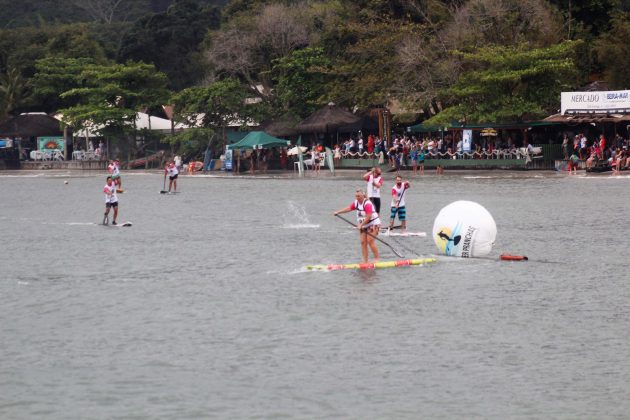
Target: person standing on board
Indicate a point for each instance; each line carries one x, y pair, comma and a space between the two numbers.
114, 170
398, 203
111, 200
374, 182
368, 223
172, 172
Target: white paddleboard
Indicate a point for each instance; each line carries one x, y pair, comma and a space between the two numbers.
126, 224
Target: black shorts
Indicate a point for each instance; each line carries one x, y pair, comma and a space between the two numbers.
173, 178
114, 204
377, 203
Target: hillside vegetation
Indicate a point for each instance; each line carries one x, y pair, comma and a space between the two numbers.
440, 60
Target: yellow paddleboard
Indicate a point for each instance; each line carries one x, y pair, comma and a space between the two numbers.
369, 266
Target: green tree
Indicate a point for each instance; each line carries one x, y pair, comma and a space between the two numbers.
13, 91
216, 105
300, 80
109, 97
613, 51
55, 76
504, 84
172, 41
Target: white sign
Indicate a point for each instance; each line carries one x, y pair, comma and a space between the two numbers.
466, 140
614, 101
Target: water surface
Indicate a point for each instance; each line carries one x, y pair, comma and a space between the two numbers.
203, 309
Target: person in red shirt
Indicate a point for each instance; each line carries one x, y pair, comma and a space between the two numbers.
368, 223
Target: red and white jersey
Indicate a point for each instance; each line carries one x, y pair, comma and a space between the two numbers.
374, 186
110, 193
363, 209
397, 194
171, 170
113, 169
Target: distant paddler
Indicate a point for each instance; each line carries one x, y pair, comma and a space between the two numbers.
172, 172
114, 169
368, 223
111, 200
398, 203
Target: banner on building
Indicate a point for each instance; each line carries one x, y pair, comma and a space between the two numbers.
606, 102
466, 140
50, 143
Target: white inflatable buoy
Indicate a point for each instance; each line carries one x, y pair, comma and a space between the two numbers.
464, 229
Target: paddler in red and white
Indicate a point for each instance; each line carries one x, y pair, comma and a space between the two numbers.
398, 203
111, 200
172, 172
368, 223
114, 169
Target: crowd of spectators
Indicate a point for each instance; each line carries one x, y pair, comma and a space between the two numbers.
409, 150
598, 153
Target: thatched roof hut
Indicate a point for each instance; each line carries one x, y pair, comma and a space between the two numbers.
31, 125
327, 120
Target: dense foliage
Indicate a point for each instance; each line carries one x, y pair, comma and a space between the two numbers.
472, 60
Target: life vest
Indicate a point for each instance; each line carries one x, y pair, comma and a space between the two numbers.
361, 213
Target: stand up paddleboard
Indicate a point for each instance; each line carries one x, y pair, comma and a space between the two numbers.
369, 266
126, 224
403, 234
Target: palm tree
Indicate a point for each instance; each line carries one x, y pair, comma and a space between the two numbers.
13, 91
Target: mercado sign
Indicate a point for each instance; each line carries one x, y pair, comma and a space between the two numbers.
50, 143
607, 102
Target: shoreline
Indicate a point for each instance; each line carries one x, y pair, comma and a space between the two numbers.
287, 174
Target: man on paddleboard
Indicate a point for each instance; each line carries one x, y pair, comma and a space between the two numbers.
368, 223
374, 181
172, 172
111, 200
398, 203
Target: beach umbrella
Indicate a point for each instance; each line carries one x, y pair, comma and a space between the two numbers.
294, 150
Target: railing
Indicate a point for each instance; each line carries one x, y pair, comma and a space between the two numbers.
520, 153
83, 155
46, 155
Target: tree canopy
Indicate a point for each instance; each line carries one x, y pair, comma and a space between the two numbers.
467, 60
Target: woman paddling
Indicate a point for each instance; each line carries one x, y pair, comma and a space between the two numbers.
368, 223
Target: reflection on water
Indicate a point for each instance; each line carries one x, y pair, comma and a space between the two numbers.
204, 309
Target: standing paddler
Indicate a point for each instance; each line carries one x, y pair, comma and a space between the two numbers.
111, 200
368, 223
172, 172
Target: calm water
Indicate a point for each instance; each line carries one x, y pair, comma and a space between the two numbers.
202, 308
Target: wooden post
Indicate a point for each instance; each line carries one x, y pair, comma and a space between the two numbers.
65, 141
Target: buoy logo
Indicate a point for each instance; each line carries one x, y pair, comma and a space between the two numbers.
464, 229
447, 239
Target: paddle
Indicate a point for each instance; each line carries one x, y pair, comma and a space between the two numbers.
164, 187
375, 237
399, 200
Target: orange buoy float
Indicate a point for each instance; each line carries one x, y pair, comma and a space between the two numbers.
506, 257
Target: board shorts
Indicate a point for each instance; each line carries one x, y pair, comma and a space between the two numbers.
173, 178
114, 204
402, 214
115, 177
